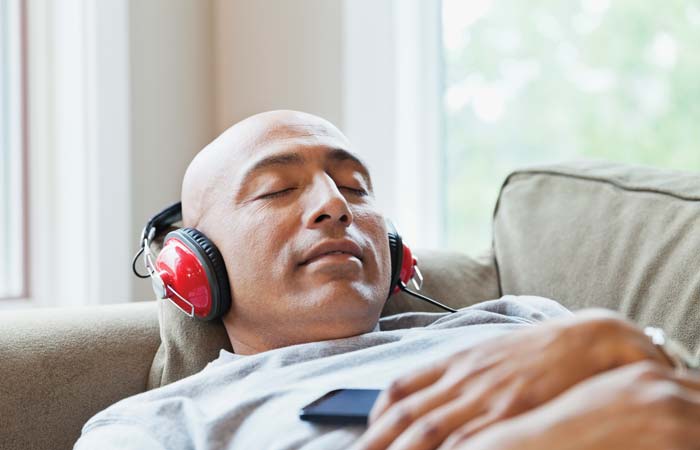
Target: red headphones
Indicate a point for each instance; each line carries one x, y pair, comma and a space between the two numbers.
190, 270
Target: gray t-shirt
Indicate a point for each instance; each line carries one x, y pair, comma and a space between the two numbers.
253, 402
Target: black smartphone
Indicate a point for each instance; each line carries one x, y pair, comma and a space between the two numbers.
341, 407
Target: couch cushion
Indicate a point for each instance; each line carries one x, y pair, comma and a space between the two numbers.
187, 345
602, 234
452, 278
61, 366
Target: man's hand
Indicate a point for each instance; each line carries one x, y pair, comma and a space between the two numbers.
501, 378
642, 406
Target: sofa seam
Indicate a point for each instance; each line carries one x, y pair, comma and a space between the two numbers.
613, 183
599, 180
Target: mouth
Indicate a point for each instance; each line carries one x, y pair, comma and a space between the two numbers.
333, 250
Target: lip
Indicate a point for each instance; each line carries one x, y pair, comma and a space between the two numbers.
344, 246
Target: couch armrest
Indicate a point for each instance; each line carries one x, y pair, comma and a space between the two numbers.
58, 367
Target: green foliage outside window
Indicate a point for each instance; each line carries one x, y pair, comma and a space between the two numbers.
536, 81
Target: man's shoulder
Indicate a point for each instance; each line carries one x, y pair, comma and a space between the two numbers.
507, 309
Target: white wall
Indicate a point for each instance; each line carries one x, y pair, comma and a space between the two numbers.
79, 211
172, 103
277, 54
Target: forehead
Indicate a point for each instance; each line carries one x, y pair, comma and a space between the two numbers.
298, 149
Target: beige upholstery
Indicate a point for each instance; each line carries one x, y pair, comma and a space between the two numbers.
601, 234
58, 367
586, 234
187, 345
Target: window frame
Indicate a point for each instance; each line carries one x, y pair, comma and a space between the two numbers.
23, 146
392, 109
77, 133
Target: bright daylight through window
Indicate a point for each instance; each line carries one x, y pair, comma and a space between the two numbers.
12, 245
529, 82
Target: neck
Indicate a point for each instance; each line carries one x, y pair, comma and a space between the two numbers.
246, 342
241, 348
242, 345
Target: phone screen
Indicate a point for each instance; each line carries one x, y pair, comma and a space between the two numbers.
341, 407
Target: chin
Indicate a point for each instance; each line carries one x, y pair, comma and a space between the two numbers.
349, 307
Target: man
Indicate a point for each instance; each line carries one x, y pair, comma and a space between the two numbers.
292, 212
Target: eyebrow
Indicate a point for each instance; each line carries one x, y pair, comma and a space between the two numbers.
295, 159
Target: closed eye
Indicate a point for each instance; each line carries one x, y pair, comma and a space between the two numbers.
277, 193
355, 191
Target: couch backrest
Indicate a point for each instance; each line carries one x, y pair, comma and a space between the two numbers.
602, 234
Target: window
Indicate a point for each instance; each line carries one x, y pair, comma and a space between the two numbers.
12, 154
530, 82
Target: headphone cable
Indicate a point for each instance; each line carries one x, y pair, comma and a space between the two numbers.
403, 287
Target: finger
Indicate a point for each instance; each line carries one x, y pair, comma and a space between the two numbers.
470, 413
404, 386
402, 414
456, 439
690, 393
510, 404
690, 380
431, 429
680, 421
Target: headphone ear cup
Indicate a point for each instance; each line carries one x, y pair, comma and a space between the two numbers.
396, 252
213, 266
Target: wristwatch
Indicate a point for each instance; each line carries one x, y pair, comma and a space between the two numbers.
675, 352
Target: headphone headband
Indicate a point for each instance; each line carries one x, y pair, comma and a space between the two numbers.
163, 219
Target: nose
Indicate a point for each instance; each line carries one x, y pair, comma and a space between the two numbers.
327, 207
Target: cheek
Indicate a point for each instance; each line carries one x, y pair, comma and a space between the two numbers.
375, 229
253, 254
383, 264
246, 251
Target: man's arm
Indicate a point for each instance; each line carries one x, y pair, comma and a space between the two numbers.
501, 378
643, 406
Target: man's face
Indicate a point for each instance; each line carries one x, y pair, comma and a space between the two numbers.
305, 248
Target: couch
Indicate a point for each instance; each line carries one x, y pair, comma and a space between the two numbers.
589, 234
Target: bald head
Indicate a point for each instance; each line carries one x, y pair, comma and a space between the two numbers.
291, 210
210, 170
